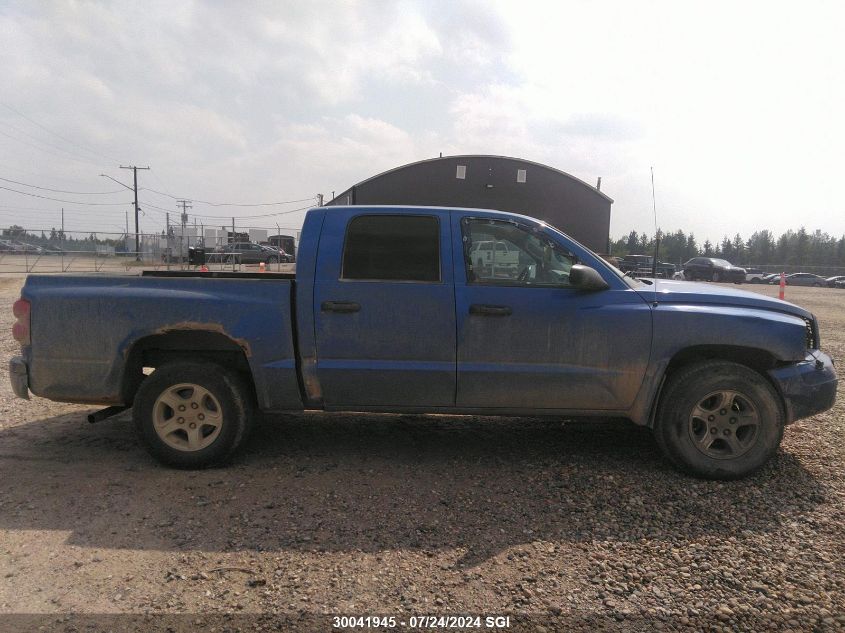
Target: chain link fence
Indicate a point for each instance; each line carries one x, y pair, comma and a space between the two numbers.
233, 248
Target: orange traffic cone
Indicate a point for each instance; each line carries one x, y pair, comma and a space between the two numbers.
782, 285
261, 267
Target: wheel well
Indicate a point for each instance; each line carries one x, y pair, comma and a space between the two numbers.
757, 359
195, 345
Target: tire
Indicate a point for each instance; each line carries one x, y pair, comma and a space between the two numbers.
226, 397
742, 443
755, 280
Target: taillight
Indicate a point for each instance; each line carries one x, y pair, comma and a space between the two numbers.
20, 330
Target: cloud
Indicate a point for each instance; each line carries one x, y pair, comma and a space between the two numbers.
740, 117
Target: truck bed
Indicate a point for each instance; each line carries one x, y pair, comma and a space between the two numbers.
91, 334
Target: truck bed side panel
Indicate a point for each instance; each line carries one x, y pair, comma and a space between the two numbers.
84, 327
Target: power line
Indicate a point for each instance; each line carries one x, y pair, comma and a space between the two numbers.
252, 217
28, 174
69, 157
67, 140
88, 204
81, 193
232, 204
163, 185
151, 206
101, 213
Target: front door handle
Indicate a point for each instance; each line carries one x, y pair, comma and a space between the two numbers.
488, 310
340, 306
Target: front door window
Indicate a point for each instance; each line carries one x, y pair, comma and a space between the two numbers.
503, 253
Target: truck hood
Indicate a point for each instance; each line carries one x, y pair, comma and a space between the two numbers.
698, 293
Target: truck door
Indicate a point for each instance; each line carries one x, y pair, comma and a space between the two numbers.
384, 309
528, 340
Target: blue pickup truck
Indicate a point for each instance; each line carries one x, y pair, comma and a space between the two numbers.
387, 312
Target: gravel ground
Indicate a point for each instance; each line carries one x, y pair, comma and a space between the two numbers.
562, 526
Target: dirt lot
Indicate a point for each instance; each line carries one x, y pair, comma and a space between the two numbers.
561, 526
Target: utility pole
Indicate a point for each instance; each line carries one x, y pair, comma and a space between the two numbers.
137, 209
184, 205
168, 251
62, 239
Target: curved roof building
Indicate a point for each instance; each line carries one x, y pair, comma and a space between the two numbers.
493, 182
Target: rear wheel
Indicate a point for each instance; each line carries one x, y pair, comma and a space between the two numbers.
192, 414
719, 420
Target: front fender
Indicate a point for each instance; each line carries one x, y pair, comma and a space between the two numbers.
678, 328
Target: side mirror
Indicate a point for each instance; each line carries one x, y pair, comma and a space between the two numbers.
586, 278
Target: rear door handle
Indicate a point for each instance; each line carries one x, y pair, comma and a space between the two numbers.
340, 306
488, 310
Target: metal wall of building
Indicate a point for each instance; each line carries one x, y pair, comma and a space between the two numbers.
494, 182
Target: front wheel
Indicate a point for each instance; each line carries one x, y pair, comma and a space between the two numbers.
192, 414
719, 420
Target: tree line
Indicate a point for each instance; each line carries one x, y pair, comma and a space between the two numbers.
793, 248
58, 237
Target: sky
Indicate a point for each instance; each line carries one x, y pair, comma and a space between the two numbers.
739, 107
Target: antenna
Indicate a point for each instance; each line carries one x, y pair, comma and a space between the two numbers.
656, 237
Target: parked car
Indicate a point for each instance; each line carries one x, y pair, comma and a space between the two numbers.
754, 275
839, 284
713, 269
831, 281
13, 246
805, 279
769, 278
24, 247
246, 253
277, 254
388, 313
643, 266
285, 243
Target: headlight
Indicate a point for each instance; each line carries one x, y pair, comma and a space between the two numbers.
812, 330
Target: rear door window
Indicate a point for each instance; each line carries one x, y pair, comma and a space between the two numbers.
392, 248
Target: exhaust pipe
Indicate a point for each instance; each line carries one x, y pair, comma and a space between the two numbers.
102, 414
